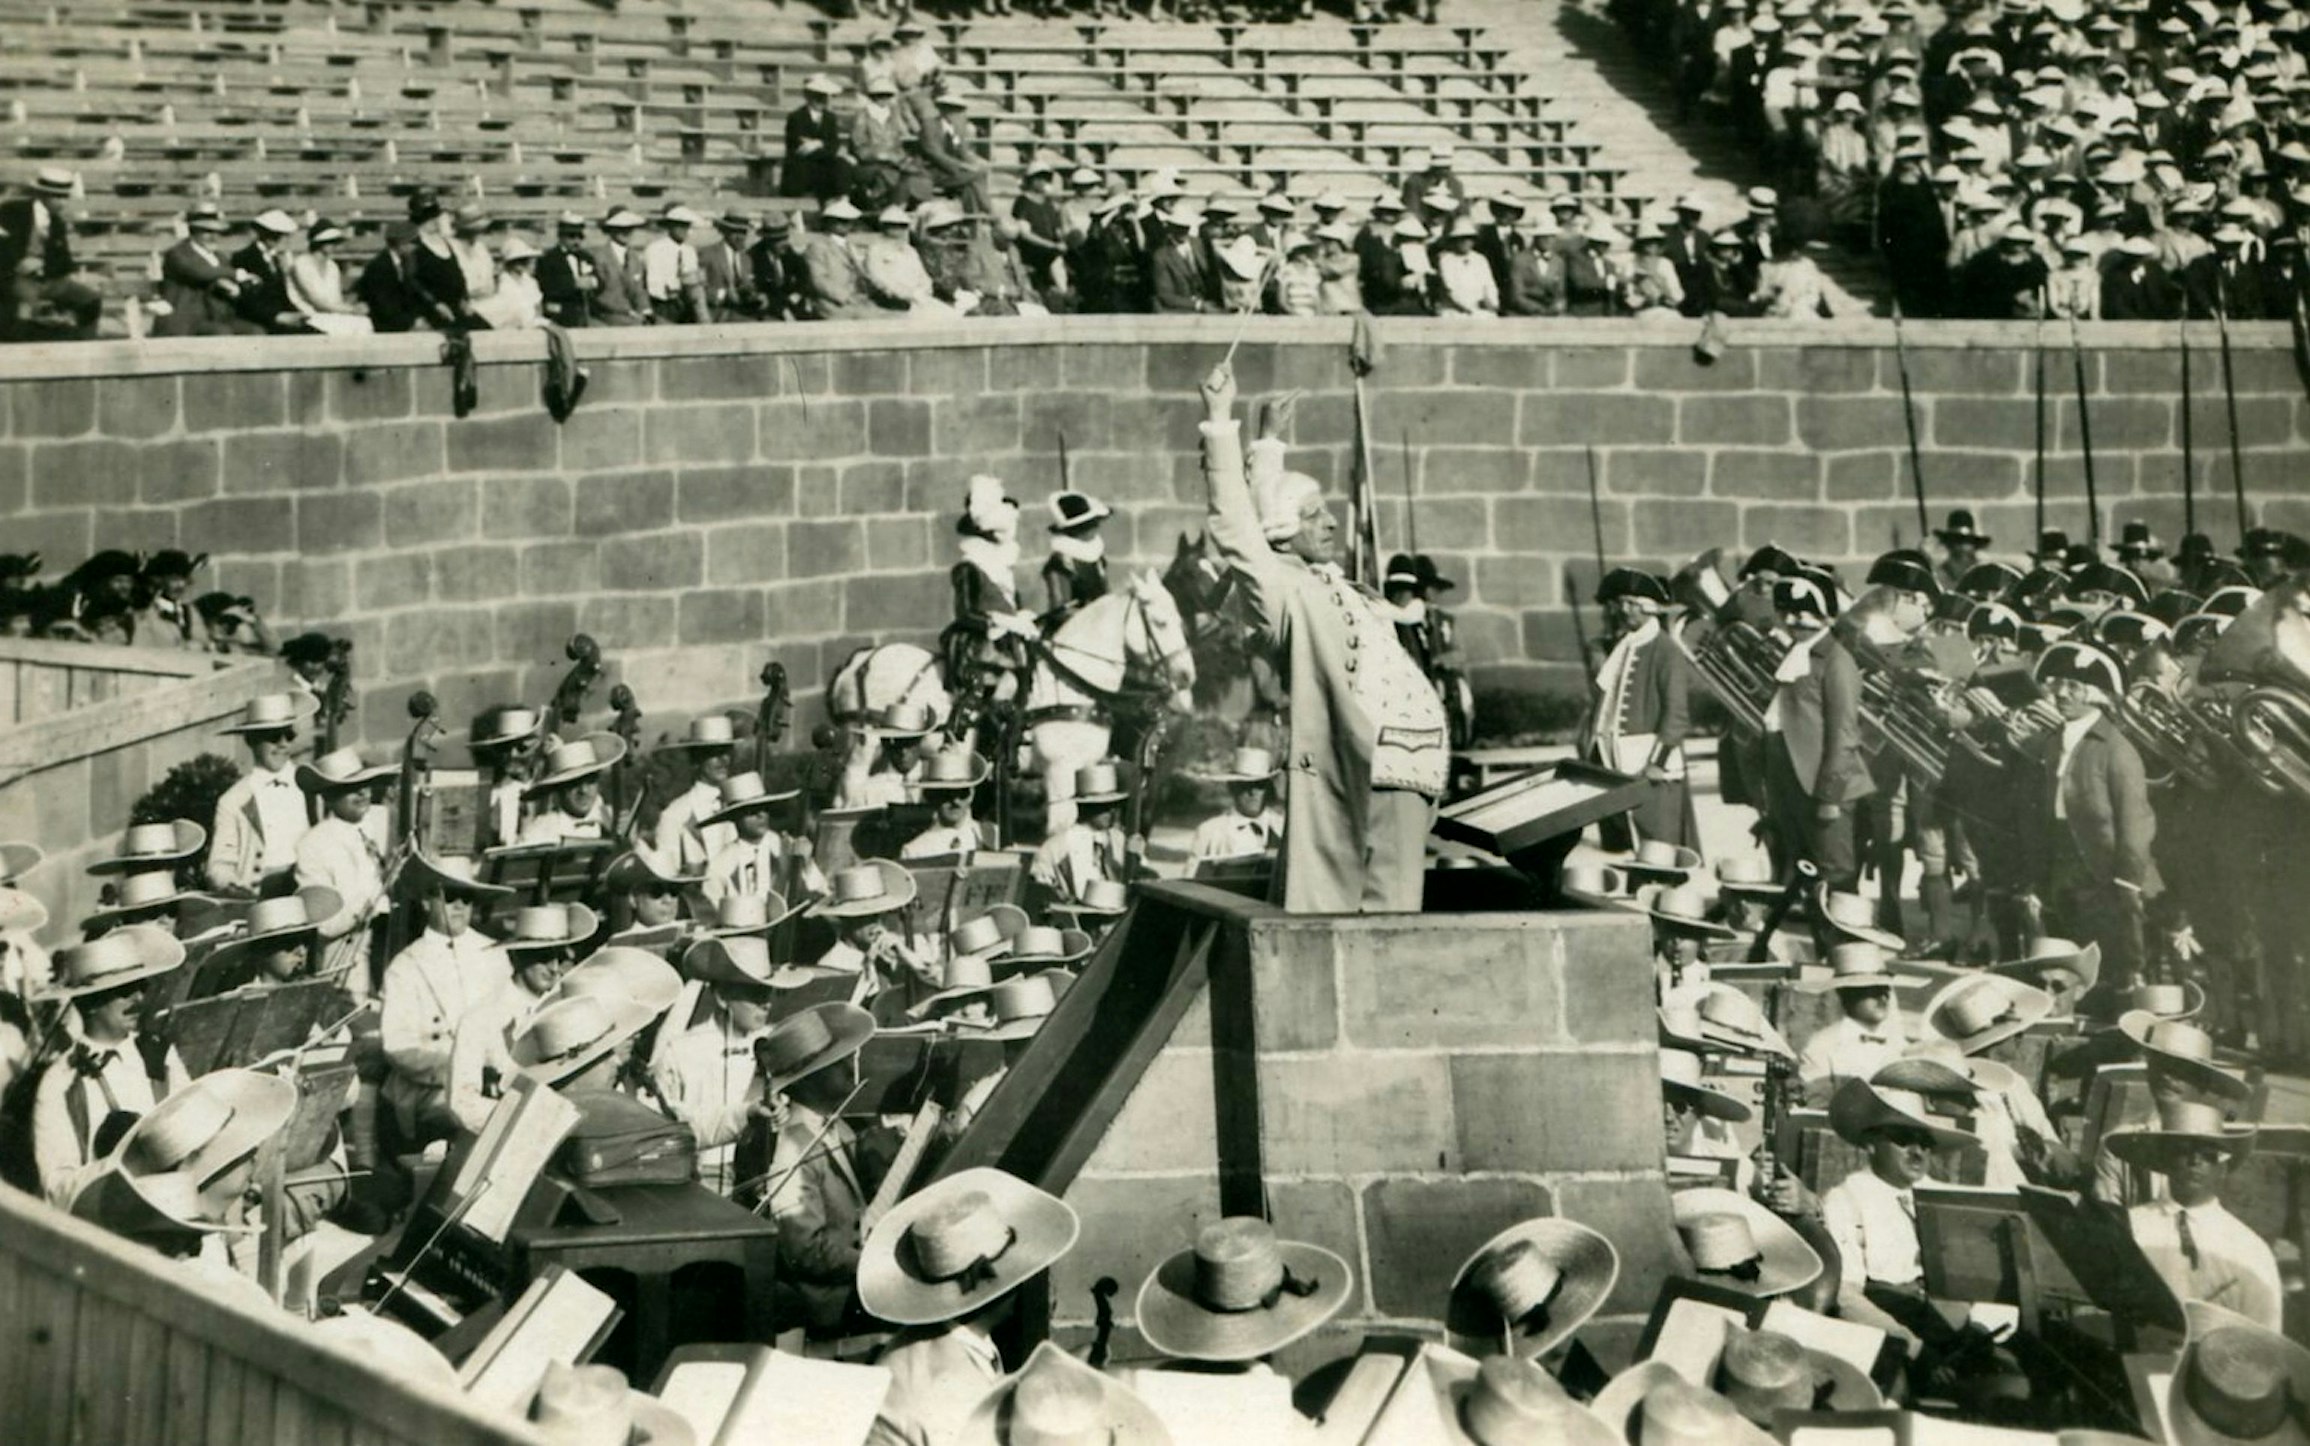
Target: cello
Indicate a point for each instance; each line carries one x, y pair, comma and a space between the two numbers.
629, 784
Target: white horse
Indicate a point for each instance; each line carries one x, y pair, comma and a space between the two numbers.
1079, 671
882, 676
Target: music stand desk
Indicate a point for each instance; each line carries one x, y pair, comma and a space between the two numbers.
661, 1229
1535, 819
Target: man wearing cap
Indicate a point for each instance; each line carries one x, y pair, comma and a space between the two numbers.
199, 285
2094, 820
833, 270
1686, 243
722, 271
2225, 282
1179, 274
1369, 743
261, 818
2134, 287
566, 278
108, 1066
1435, 195
670, 275
814, 164
622, 298
775, 271
947, 154
46, 299
263, 301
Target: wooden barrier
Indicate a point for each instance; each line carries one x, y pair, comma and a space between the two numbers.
103, 1342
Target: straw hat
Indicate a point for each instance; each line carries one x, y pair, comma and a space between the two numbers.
20, 913
1101, 899
1056, 1400
1679, 1016
1937, 1069
801, 1045
513, 723
1042, 944
1856, 964
903, 720
1649, 1404
197, 1134
18, 859
2236, 1382
1529, 1287
1240, 1293
1681, 909
743, 915
644, 867
990, 933
112, 961
1021, 1005
1747, 876
877, 886
2046, 957
146, 846
1979, 1010
593, 1406
967, 976
1854, 916
744, 793
1762, 1372
1600, 885
1099, 783
1859, 1107
1449, 1397
569, 760
744, 959
422, 872
961, 1243
958, 769
1726, 1233
623, 974
343, 769
1680, 1084
715, 730
1660, 860
1730, 1019
136, 893
405, 1355
2180, 1123
2159, 1001
274, 713
1247, 765
537, 927
566, 1035
297, 915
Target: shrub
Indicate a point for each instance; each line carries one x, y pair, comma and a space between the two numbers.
190, 791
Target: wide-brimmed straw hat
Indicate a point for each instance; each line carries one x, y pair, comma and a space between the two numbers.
902, 720
877, 886
290, 916
1979, 1010
2179, 1047
503, 726
643, 867
740, 915
113, 961
1603, 886
1100, 782
136, 893
198, 1133
145, 846
569, 760
1056, 1400
1658, 859
345, 768
714, 730
567, 1035
1736, 1242
1019, 1006
2237, 1382
1042, 944
2045, 957
2181, 1123
1681, 1077
744, 959
621, 972
2106, 1004
965, 978
593, 1406
1854, 916
801, 1045
1858, 1107
1762, 1372
744, 793
1936, 1068
1448, 1398
1240, 1293
960, 1243
274, 712
1100, 899
958, 769
536, 927
1747, 876
1681, 909
989, 933
422, 871
1730, 1020
1245, 765
21, 913
1650, 1404
1529, 1287
1855, 964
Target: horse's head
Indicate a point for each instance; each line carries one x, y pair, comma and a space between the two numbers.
1156, 642
1196, 580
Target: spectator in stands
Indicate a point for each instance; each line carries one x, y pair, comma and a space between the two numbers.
1464, 284
96, 601
1299, 281
2225, 282
1793, 285
198, 286
1042, 228
1535, 279
386, 286
916, 61
833, 281
521, 302
237, 625
946, 153
263, 300
722, 272
2007, 281
164, 618
1591, 286
436, 276
814, 165
882, 134
317, 285
46, 297
775, 271
1425, 194
2074, 288
1650, 287
566, 278
1397, 279
1686, 244
485, 304
892, 271
1177, 272
1340, 289
621, 298
670, 276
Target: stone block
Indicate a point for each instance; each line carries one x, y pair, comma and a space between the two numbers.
717, 494
1589, 368
256, 462
1418, 1233
179, 470
143, 529
1814, 371
745, 552
1346, 1113
617, 504
1600, 419
869, 373
947, 371
718, 378
721, 432
1174, 373
601, 439
1840, 424
116, 780
1083, 418
896, 603
91, 472
1516, 582
532, 632
818, 488
1681, 529
339, 522
1449, 470
560, 569
812, 431
1168, 1124
1806, 531
396, 452
316, 590
1563, 471
134, 407
1954, 372
1633, 1214
2009, 422
1320, 421
898, 544
1461, 418
721, 615
975, 426
370, 395
898, 427
522, 507
1650, 472
1130, 1226
1678, 370
2136, 424
476, 574
224, 402
1113, 370
628, 620
1760, 476
524, 442
435, 642
1403, 366
1557, 524
1494, 986
1981, 476
1759, 420
56, 534
825, 549
395, 580
1295, 987
1860, 477
422, 513
653, 563
866, 487
802, 610
1488, 637
1448, 524
504, 389
1506, 369
1558, 1112
15, 480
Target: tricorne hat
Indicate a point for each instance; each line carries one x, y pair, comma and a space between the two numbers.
123, 957
145, 846
1529, 1287
1239, 1293
1735, 1242
877, 886
275, 713
802, 1044
961, 1243
569, 760
1976, 1011
1056, 1400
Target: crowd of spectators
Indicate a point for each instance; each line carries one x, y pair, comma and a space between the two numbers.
144, 599
2114, 159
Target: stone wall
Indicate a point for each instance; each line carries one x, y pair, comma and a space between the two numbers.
728, 493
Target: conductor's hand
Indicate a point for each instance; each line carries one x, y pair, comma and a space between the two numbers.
1275, 417
1219, 393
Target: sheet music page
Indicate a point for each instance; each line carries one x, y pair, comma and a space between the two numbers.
543, 1120
1692, 1338
1193, 1407
559, 1324
800, 1399
702, 1393
1855, 1344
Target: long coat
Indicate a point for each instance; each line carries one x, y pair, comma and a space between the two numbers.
2107, 799
1821, 725
189, 282
1656, 706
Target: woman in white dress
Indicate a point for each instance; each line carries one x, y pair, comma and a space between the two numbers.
317, 285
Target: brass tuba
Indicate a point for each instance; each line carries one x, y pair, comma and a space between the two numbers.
2272, 728
2168, 736
1737, 661
1901, 711
2258, 677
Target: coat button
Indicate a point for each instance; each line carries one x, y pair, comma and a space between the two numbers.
1351, 664
1355, 640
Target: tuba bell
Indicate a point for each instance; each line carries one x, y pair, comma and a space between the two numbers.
2167, 735
1736, 661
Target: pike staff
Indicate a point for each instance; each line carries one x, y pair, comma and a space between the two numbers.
1909, 418
2230, 399
2039, 476
2189, 447
2085, 437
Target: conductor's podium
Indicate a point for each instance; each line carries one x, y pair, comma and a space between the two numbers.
1398, 1088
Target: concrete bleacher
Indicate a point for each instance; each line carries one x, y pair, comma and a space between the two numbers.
537, 106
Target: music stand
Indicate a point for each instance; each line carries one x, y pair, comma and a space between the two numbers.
2093, 1241
1534, 820
544, 873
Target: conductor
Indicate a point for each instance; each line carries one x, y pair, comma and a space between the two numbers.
1369, 749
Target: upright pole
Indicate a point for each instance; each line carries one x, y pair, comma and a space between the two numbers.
2039, 477
2189, 442
2085, 438
1909, 417
2230, 399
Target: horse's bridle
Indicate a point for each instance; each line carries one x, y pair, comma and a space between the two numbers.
1137, 605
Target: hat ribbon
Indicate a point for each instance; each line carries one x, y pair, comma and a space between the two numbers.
1288, 1284
576, 1049
981, 1272
1748, 1271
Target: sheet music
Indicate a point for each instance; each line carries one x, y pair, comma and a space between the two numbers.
536, 1121
800, 1399
1692, 1337
557, 1319
702, 1393
1855, 1344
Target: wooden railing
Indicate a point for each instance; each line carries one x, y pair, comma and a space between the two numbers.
41, 679
108, 1344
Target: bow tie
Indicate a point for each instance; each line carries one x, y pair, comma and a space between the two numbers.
1875, 1039
91, 1062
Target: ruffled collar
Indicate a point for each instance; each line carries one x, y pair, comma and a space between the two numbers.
997, 560
1079, 549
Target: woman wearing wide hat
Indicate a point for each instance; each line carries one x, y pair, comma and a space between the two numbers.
106, 1070
443, 975
1076, 574
1528, 1288
1640, 710
2198, 1247
570, 775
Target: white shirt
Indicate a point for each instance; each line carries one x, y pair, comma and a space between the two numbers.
2072, 733
60, 1154
937, 1376
483, 1042
1232, 836
429, 989
258, 823
939, 840
2235, 1268
1875, 1228
681, 839
1077, 855
669, 267
555, 825
1845, 1050
348, 858
751, 870
1469, 286
707, 1080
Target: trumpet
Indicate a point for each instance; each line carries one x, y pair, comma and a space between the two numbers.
2167, 735
1737, 662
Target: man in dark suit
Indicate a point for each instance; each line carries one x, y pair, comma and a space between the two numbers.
2225, 283
1688, 253
44, 298
200, 286
1913, 237
775, 270
947, 155
566, 279
263, 301
622, 299
1178, 275
814, 138
2134, 287
384, 285
1496, 239
2096, 821
722, 271
1815, 773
